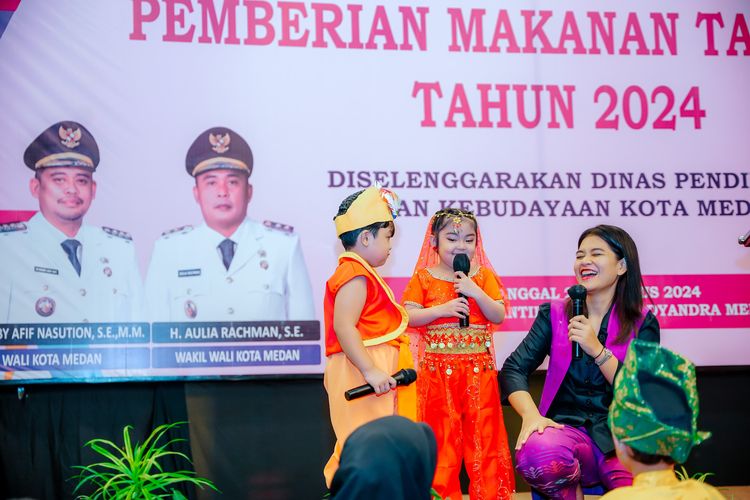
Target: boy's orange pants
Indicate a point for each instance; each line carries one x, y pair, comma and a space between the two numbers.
346, 416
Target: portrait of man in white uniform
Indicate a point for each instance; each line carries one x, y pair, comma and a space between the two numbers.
230, 267
55, 268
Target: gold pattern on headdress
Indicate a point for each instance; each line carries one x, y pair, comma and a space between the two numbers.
633, 420
68, 137
454, 212
456, 216
220, 143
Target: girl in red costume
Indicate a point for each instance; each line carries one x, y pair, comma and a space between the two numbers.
457, 392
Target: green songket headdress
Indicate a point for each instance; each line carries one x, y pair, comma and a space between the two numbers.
655, 405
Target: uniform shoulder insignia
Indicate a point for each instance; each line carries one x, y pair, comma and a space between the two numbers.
116, 232
12, 227
181, 230
278, 226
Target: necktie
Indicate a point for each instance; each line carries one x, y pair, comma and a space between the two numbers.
226, 248
71, 248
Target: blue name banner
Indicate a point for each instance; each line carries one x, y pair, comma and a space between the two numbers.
210, 356
91, 352
238, 331
72, 360
61, 334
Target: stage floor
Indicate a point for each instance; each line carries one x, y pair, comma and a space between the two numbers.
730, 492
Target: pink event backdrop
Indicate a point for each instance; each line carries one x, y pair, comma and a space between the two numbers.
545, 118
679, 301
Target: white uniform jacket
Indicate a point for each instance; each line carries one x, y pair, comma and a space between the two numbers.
40, 285
266, 281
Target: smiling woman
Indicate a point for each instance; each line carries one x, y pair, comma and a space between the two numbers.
565, 442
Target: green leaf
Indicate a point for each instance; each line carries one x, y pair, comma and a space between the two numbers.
134, 472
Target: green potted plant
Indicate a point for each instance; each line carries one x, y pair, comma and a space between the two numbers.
135, 472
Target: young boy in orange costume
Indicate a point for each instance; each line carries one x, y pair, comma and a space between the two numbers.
364, 324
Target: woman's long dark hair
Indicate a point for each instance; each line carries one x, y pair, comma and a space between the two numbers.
629, 288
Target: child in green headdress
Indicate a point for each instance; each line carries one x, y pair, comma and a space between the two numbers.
653, 419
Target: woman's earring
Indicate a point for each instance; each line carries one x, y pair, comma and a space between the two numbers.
623, 265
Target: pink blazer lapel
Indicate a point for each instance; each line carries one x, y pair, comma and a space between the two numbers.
560, 356
561, 349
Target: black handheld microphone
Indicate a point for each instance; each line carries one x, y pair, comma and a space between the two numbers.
461, 264
578, 296
744, 240
403, 377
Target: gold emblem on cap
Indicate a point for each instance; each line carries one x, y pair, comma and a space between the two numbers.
220, 143
68, 137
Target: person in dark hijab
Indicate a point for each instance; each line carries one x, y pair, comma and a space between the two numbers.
389, 458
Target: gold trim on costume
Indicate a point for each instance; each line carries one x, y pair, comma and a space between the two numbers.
448, 362
455, 329
449, 338
389, 293
462, 348
416, 305
433, 273
406, 397
654, 432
